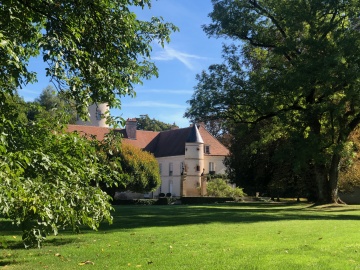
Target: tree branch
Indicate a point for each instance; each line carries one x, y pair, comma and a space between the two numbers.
271, 17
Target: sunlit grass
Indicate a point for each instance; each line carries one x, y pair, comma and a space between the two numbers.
228, 236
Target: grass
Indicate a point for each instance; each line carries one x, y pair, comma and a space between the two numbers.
224, 236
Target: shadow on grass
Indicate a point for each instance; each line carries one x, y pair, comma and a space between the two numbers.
18, 244
6, 263
129, 217
333, 207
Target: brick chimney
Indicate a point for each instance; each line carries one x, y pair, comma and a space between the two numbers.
131, 128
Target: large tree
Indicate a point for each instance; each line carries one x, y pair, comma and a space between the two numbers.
295, 64
53, 105
144, 122
95, 51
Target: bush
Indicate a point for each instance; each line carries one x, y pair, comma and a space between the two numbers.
219, 187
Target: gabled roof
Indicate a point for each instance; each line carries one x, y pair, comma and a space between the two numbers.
216, 147
161, 144
87, 131
143, 138
169, 143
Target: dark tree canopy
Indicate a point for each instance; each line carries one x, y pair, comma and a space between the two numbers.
144, 122
296, 63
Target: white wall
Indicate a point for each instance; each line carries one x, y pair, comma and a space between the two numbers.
218, 162
94, 120
167, 179
175, 179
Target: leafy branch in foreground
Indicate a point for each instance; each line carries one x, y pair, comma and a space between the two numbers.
95, 51
49, 186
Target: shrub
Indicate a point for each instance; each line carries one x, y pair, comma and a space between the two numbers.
219, 187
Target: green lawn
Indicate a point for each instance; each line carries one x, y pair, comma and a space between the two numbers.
224, 236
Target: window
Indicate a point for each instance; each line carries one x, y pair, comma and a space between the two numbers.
170, 169
182, 168
197, 168
160, 168
211, 168
207, 149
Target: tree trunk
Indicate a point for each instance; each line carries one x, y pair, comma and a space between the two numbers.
322, 184
327, 181
334, 178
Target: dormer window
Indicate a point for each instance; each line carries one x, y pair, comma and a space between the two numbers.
207, 149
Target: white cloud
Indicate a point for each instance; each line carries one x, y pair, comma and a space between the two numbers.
28, 95
166, 91
28, 91
168, 54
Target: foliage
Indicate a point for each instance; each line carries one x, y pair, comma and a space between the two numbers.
128, 168
218, 129
141, 168
38, 180
219, 187
95, 50
52, 105
267, 168
296, 64
249, 165
145, 123
349, 176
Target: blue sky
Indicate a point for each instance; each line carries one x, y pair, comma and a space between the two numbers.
189, 52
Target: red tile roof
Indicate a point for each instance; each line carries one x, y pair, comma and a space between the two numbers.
99, 132
143, 138
216, 147
161, 144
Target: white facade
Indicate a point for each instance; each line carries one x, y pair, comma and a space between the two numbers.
96, 116
171, 183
